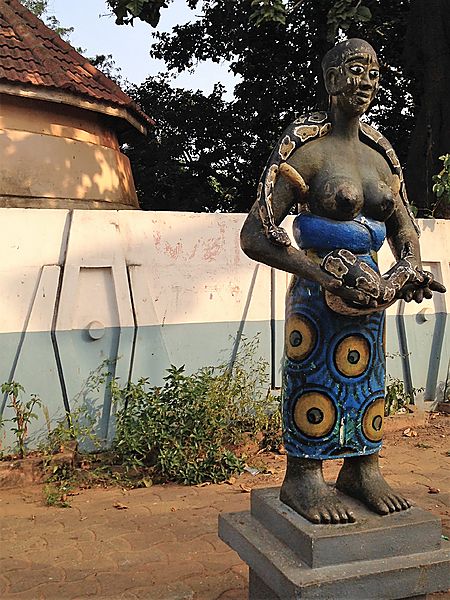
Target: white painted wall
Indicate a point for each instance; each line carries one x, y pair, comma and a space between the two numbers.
155, 288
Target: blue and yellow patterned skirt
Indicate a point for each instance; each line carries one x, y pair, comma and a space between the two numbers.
334, 369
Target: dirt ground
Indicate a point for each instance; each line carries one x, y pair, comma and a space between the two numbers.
161, 543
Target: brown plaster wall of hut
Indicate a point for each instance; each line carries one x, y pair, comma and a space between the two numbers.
53, 155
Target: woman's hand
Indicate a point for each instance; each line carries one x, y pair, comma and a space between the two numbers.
409, 280
422, 287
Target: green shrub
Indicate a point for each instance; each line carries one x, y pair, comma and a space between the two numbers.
187, 430
78, 425
56, 495
23, 413
441, 181
396, 397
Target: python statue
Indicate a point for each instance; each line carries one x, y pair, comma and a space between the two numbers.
348, 184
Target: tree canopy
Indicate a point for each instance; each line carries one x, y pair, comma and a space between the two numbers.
275, 48
40, 9
341, 14
185, 165
280, 76
206, 153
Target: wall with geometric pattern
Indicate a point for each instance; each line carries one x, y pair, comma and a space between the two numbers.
129, 292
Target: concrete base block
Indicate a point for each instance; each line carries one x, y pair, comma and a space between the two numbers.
378, 557
258, 590
372, 536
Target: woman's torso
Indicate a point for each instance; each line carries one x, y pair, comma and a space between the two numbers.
346, 178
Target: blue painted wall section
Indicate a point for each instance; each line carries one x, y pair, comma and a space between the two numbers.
196, 345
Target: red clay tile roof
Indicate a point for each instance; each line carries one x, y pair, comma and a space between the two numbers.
31, 53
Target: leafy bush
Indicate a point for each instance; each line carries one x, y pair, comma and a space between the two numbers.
441, 187
187, 430
23, 413
56, 495
78, 425
397, 398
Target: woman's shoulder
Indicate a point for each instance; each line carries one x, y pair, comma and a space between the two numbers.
303, 129
376, 139
301, 145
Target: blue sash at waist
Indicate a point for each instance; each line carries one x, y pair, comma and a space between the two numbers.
360, 236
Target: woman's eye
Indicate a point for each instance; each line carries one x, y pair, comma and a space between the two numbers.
374, 74
357, 70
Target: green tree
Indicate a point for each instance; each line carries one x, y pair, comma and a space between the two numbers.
427, 57
146, 10
150, 10
41, 10
280, 75
274, 45
182, 165
230, 140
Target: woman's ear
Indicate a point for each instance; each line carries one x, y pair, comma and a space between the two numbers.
333, 81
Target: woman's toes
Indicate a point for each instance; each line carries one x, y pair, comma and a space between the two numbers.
314, 518
396, 502
382, 507
343, 517
389, 504
325, 516
351, 517
404, 503
334, 514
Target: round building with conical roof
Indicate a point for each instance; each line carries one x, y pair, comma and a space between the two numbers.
62, 122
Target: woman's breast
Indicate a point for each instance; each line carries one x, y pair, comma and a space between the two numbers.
378, 200
342, 198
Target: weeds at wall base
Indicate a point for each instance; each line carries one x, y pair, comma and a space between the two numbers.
22, 413
195, 428
56, 495
188, 430
397, 398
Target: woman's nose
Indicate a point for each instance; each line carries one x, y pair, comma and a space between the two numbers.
365, 81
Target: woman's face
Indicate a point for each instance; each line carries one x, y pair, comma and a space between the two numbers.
356, 82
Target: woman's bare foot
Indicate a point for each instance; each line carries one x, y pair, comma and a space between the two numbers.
305, 491
361, 478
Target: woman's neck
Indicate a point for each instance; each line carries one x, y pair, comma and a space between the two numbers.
344, 125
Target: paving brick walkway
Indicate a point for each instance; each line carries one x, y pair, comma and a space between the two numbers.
164, 545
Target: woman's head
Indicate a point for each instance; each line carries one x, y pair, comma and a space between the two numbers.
351, 72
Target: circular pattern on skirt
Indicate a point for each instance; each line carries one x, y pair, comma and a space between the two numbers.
352, 355
300, 337
314, 414
372, 421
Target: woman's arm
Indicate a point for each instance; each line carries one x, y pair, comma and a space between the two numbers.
402, 236
404, 242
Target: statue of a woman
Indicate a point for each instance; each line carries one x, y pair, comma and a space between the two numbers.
348, 183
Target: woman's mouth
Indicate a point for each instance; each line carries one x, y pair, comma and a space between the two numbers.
363, 98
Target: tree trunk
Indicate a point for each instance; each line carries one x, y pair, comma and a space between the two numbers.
427, 55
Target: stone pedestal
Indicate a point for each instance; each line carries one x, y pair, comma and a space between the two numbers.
401, 555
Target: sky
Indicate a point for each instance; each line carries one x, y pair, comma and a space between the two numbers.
96, 32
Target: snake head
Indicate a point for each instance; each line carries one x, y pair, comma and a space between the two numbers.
278, 236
